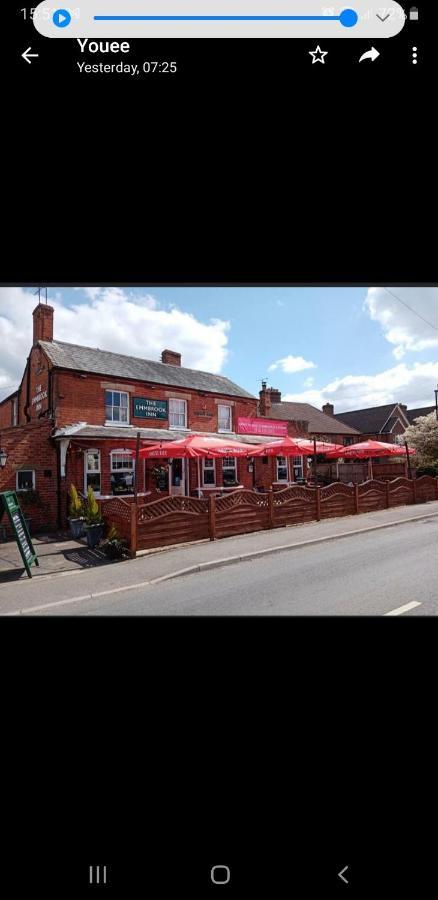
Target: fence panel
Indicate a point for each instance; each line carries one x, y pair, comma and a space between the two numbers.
241, 512
172, 520
372, 496
426, 488
294, 505
401, 492
337, 500
117, 512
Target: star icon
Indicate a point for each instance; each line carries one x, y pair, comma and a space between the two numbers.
318, 55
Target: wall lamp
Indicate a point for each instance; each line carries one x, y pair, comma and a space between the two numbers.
3, 458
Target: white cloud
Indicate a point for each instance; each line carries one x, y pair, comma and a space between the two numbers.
401, 327
290, 364
412, 385
111, 319
309, 382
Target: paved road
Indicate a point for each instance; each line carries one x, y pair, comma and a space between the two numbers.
368, 574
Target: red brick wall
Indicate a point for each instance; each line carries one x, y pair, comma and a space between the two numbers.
31, 447
79, 398
5, 415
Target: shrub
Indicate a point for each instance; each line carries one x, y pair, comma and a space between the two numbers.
76, 505
92, 511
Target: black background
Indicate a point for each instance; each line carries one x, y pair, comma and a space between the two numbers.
211, 740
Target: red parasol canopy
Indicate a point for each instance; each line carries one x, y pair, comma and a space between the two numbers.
196, 446
308, 446
368, 449
285, 446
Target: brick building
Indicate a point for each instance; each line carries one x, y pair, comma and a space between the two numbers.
77, 412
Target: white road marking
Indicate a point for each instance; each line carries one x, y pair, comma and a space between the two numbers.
402, 609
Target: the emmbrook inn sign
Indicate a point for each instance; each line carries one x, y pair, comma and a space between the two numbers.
142, 408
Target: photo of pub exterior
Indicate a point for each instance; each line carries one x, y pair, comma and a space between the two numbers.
75, 417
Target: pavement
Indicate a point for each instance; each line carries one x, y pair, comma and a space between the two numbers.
56, 553
69, 589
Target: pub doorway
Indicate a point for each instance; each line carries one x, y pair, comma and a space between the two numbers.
178, 481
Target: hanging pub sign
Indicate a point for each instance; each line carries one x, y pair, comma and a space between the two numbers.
143, 408
10, 505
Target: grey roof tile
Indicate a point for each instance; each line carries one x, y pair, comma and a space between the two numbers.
319, 422
413, 414
371, 420
117, 365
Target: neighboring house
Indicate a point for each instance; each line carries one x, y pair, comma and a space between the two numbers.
306, 420
382, 423
413, 414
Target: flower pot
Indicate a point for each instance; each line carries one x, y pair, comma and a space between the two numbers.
76, 528
94, 534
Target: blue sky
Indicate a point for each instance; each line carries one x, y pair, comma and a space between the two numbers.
353, 346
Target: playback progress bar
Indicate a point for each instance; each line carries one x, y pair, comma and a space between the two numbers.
348, 18
217, 19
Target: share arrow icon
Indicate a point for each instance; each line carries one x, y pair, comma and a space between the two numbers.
370, 54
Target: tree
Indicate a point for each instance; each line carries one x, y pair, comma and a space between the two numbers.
423, 436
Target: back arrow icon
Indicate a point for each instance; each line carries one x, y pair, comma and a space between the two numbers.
341, 874
370, 54
26, 55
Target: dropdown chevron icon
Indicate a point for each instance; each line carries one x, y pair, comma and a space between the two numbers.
383, 18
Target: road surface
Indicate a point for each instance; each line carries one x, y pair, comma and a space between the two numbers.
394, 571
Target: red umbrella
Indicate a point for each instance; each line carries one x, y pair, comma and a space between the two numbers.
196, 446
285, 446
368, 449
308, 447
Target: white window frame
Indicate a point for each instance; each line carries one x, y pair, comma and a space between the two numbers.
24, 490
113, 421
210, 468
15, 413
172, 413
131, 469
224, 466
230, 409
94, 472
283, 465
298, 465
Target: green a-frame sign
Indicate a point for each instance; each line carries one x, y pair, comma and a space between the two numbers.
10, 505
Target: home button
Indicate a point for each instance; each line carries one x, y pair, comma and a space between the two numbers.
220, 874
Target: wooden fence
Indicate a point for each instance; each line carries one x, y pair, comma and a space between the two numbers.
174, 520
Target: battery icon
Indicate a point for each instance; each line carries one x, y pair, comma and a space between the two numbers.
413, 14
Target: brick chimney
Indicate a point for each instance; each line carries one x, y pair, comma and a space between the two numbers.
328, 409
275, 395
171, 358
268, 396
43, 323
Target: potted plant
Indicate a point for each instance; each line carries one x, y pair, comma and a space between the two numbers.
113, 546
76, 513
94, 523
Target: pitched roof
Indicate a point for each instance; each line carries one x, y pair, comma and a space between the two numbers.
117, 365
319, 423
422, 411
373, 419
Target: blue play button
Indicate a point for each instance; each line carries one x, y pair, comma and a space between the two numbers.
61, 18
